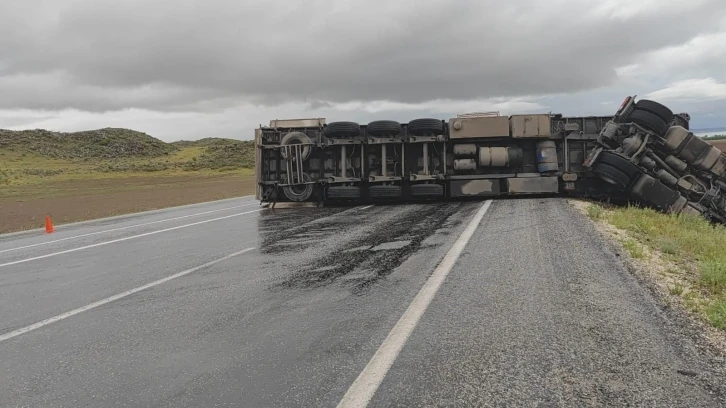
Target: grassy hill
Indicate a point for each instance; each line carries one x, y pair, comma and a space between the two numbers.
106, 143
40, 156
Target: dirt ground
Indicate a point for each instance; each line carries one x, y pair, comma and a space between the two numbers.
89, 199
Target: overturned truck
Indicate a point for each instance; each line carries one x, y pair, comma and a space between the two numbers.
643, 154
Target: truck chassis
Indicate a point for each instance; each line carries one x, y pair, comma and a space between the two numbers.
643, 154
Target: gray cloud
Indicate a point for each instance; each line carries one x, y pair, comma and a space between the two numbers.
189, 69
169, 55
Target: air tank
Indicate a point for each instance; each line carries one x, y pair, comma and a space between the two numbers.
465, 150
464, 164
500, 156
547, 157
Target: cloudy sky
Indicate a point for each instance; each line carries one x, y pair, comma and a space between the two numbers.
183, 69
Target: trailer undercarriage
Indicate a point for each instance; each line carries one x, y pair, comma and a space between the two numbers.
643, 154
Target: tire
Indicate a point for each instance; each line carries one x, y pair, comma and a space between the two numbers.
427, 190
342, 129
384, 128
426, 127
384, 191
300, 192
625, 166
648, 121
343, 192
611, 175
655, 108
296, 138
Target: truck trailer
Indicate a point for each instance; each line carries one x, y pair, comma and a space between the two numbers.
643, 154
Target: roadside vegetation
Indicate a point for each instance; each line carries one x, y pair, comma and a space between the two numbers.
715, 137
690, 251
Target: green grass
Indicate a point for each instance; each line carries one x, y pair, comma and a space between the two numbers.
676, 289
668, 246
689, 241
633, 248
595, 211
713, 275
715, 137
716, 312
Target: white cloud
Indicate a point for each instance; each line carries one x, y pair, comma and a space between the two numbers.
696, 90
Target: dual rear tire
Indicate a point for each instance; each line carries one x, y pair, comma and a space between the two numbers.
629, 178
652, 116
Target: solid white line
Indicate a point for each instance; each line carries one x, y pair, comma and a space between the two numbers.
366, 207
121, 295
362, 390
125, 239
123, 228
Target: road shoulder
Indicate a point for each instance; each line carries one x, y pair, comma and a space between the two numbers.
664, 278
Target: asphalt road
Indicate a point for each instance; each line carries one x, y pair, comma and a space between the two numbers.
228, 304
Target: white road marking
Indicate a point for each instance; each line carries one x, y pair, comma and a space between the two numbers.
127, 227
365, 208
362, 390
121, 295
126, 238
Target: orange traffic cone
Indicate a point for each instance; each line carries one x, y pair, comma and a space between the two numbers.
48, 225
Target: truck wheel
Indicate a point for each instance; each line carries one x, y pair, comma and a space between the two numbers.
296, 138
426, 127
648, 121
384, 128
625, 166
343, 192
611, 175
655, 108
384, 191
427, 190
299, 192
342, 129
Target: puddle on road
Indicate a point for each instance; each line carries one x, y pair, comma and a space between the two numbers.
364, 261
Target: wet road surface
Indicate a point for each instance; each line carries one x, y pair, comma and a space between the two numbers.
257, 307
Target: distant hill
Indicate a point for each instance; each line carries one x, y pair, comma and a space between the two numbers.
220, 153
108, 143
122, 150
207, 141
